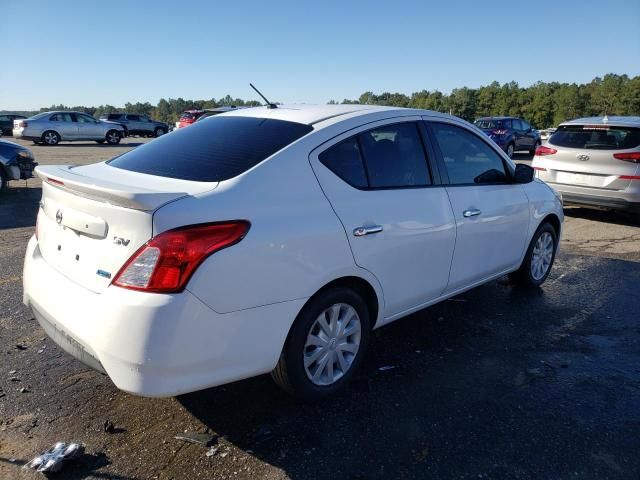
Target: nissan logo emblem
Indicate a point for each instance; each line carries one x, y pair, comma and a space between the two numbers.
582, 157
59, 216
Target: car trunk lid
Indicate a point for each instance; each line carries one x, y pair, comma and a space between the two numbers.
93, 218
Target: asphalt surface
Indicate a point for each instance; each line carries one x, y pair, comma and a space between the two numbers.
496, 383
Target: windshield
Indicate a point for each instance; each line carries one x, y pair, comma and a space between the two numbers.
602, 137
212, 151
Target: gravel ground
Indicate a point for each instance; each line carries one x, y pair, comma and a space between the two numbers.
496, 383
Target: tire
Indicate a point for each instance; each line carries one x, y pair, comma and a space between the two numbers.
113, 137
292, 374
100, 141
158, 132
510, 150
50, 138
3, 180
527, 275
535, 147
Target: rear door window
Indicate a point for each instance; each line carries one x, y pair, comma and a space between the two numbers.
133, 118
468, 159
596, 137
61, 117
212, 151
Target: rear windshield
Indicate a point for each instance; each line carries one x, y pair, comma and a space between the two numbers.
189, 116
602, 137
487, 124
212, 151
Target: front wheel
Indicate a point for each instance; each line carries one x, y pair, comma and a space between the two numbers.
159, 132
325, 346
539, 258
113, 137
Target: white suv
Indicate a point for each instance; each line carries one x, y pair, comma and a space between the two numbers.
275, 240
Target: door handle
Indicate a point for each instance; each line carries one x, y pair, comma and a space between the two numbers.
471, 213
362, 231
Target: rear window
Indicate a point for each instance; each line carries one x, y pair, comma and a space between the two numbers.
113, 116
486, 124
596, 137
212, 151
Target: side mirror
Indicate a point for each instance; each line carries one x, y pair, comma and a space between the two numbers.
523, 174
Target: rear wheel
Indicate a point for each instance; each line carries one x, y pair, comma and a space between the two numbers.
510, 150
158, 132
3, 180
539, 258
113, 137
325, 346
50, 138
535, 147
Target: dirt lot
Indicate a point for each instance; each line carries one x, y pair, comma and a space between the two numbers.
496, 383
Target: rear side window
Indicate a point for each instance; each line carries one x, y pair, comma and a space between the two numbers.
597, 137
114, 116
387, 157
345, 161
133, 118
61, 117
467, 158
212, 151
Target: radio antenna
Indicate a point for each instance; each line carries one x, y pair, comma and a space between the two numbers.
269, 104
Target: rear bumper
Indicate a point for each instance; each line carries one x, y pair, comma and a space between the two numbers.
21, 134
616, 199
150, 344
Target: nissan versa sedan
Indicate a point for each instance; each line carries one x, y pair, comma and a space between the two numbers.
275, 240
594, 161
51, 128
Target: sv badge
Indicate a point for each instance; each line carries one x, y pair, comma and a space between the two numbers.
121, 241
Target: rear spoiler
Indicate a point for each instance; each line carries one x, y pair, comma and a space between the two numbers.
123, 195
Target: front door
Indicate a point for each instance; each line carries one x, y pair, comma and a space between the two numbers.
491, 213
399, 224
88, 127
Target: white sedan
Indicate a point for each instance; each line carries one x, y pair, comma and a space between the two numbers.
274, 240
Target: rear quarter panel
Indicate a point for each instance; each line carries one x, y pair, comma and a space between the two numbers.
295, 245
542, 203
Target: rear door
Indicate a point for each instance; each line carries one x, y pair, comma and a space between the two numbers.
133, 123
491, 213
64, 123
396, 216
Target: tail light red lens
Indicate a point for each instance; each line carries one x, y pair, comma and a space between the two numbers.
628, 157
166, 262
541, 151
540, 169
22, 124
498, 132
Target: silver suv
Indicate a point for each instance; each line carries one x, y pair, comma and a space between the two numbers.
51, 128
136, 124
594, 161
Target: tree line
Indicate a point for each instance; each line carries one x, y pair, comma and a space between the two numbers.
542, 104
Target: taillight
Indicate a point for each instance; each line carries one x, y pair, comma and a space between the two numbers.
541, 151
166, 262
498, 132
22, 124
540, 169
628, 157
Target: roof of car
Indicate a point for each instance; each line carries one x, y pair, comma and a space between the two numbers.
312, 114
612, 120
496, 118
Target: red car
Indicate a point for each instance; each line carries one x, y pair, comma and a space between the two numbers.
188, 117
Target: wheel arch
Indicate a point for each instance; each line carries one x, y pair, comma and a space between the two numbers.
553, 219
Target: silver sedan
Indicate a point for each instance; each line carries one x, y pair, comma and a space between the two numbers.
50, 128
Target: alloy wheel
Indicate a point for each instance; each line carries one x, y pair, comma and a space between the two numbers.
542, 255
332, 344
510, 150
50, 138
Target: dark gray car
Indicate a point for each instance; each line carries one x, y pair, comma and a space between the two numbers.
137, 124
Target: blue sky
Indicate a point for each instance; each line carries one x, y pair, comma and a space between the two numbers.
97, 52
